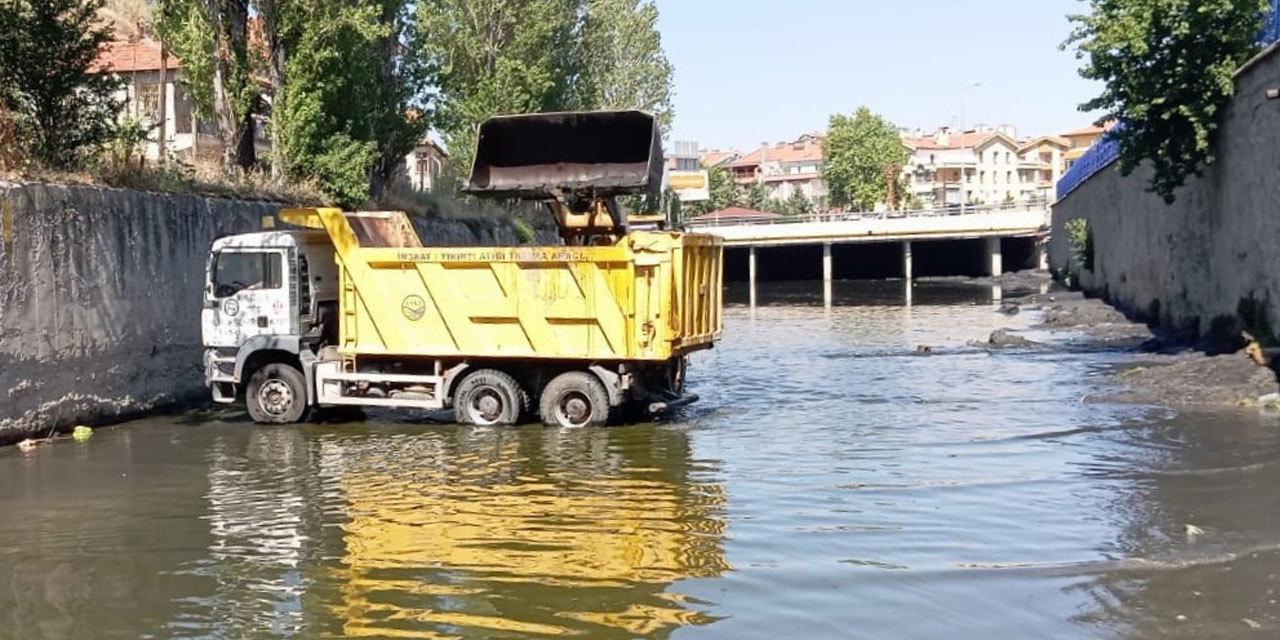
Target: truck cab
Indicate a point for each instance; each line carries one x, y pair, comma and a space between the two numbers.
269, 296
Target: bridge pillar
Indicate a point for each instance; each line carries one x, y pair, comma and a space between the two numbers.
995, 259
1042, 254
908, 267
826, 273
751, 274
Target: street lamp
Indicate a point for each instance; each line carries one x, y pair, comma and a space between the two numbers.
964, 195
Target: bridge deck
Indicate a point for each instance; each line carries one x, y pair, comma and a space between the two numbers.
1005, 223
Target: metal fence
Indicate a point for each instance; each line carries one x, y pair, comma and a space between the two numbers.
1105, 151
847, 216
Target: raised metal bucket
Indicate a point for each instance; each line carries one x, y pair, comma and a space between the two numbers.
597, 153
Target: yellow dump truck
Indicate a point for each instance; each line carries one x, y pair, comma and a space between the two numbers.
353, 309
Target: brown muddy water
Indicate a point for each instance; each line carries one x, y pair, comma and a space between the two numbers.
831, 484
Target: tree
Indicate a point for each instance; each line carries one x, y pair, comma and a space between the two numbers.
212, 39
48, 47
859, 151
340, 85
620, 61
342, 118
757, 197
725, 192
797, 204
1167, 69
488, 57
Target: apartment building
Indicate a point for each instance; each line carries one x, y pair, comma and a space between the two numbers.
985, 165
785, 168
1081, 140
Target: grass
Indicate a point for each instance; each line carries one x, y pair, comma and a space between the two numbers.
204, 180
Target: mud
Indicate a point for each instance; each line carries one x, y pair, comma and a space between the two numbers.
1161, 370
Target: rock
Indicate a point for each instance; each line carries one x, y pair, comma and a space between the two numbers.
924, 349
1010, 309
1004, 338
1269, 403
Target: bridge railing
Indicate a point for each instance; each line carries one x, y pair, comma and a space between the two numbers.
1039, 204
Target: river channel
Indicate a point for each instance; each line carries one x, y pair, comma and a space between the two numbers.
832, 483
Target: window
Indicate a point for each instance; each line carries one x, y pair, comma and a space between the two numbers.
1008, 158
1008, 177
147, 101
234, 272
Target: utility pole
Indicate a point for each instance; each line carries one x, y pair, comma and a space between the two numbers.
964, 195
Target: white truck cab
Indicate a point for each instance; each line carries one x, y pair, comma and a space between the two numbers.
269, 296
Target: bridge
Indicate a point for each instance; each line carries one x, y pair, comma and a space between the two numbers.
987, 225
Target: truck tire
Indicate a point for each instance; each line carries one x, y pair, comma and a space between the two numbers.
277, 394
489, 398
574, 399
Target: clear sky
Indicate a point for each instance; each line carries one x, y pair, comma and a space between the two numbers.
748, 71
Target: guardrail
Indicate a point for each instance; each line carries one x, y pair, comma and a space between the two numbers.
846, 216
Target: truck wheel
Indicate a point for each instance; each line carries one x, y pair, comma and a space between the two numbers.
277, 394
575, 399
489, 398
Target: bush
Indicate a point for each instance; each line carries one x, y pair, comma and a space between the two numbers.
1080, 239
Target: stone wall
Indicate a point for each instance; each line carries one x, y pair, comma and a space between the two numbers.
100, 295
1209, 264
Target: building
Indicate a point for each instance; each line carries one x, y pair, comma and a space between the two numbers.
1050, 153
980, 166
138, 64
785, 169
718, 158
423, 165
1081, 140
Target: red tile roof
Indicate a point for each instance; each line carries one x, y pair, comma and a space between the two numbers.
955, 141
802, 151
1092, 130
716, 158
119, 56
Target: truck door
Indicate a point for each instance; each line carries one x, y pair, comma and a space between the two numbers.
247, 295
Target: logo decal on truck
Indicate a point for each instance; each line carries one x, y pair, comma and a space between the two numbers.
413, 307
231, 306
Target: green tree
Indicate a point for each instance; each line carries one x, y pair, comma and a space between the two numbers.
859, 151
797, 204
620, 61
1167, 70
60, 109
486, 57
725, 192
342, 117
757, 197
211, 37
340, 85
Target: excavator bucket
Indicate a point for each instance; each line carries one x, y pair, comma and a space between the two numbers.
542, 156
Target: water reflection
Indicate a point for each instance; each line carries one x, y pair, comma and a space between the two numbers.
529, 532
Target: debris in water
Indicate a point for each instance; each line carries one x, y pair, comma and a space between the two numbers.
81, 433
1252, 624
1193, 532
1269, 403
924, 349
1180, 618
28, 444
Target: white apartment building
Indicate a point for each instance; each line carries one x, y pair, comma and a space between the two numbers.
981, 166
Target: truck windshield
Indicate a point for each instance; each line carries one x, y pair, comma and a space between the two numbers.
234, 272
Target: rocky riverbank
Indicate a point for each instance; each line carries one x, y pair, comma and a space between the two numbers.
1162, 370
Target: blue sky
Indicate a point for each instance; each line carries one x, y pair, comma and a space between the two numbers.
748, 71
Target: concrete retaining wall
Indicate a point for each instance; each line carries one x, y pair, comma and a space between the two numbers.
100, 298
1209, 264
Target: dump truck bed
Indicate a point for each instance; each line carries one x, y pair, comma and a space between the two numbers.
651, 296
